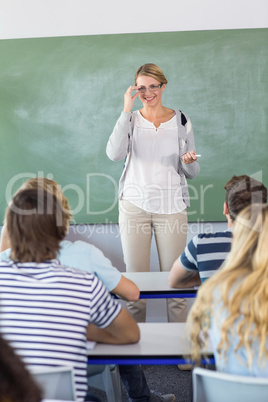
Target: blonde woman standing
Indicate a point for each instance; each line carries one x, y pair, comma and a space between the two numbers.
158, 144
233, 303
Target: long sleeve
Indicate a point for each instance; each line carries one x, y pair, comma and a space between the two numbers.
117, 146
190, 170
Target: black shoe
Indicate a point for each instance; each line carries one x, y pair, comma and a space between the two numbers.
156, 397
91, 398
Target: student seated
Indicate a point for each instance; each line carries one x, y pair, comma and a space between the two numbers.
205, 253
49, 310
87, 257
78, 254
232, 304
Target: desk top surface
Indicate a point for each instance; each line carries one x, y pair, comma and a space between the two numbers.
157, 339
154, 281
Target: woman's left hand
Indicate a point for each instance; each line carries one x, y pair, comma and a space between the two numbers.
189, 157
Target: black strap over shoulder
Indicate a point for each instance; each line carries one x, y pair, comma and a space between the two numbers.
183, 119
183, 123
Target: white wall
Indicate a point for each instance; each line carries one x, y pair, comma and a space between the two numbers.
39, 18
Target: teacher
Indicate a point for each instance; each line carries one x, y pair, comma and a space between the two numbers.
158, 144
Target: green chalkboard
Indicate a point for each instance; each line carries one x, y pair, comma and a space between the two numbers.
60, 98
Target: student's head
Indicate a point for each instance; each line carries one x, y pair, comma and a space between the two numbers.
16, 382
242, 191
151, 70
42, 183
36, 224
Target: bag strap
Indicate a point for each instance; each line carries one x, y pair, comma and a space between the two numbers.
181, 121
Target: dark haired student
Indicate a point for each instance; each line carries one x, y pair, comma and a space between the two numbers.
206, 252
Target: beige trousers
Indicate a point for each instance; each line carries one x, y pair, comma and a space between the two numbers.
170, 231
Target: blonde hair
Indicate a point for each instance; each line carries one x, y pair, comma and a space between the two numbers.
151, 70
243, 285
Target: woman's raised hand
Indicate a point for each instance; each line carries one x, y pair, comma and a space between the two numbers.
129, 99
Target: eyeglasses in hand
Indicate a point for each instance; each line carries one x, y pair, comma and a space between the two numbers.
151, 88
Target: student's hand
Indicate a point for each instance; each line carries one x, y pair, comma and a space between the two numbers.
189, 157
129, 99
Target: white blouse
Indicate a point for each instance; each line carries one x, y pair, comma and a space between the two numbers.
152, 181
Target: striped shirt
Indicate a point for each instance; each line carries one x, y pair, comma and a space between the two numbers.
45, 309
86, 257
206, 252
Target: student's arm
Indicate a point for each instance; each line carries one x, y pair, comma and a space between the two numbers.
182, 278
127, 290
122, 330
4, 241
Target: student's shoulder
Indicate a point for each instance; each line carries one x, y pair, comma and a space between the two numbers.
7, 262
64, 269
77, 246
77, 243
5, 255
225, 233
217, 236
83, 255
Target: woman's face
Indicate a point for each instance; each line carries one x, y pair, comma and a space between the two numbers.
152, 94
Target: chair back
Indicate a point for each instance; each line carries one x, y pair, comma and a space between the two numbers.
211, 386
56, 382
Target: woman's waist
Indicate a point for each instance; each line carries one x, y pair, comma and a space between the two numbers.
155, 200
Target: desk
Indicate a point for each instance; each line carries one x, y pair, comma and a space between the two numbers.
154, 285
160, 343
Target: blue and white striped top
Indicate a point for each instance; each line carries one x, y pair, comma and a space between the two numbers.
45, 309
206, 252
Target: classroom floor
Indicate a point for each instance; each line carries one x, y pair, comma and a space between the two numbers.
163, 379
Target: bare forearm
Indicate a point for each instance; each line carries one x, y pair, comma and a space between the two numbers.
101, 335
192, 280
182, 278
122, 330
127, 290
